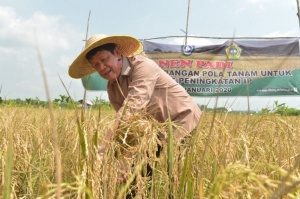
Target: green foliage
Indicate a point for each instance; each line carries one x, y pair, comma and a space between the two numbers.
32, 102
217, 109
283, 109
62, 102
101, 103
67, 102
265, 111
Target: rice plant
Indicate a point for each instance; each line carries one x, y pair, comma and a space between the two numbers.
247, 156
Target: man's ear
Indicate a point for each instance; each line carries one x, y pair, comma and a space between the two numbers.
117, 51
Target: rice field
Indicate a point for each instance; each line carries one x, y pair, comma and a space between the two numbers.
54, 155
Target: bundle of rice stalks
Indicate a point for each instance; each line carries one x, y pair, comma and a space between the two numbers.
135, 147
138, 135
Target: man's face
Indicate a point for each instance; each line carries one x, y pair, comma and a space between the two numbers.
107, 64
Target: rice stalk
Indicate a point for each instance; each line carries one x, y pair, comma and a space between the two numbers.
184, 173
284, 187
190, 180
84, 158
170, 157
136, 143
236, 180
53, 124
137, 170
68, 190
8, 168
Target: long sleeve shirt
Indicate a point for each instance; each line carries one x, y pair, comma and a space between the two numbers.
146, 86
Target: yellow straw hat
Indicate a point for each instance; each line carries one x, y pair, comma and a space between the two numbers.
127, 45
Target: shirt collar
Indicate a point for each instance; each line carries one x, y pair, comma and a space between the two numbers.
126, 67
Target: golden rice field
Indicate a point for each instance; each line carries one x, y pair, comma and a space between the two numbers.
54, 155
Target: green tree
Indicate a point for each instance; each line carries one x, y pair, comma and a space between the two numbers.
283, 109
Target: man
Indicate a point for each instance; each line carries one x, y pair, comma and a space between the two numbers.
139, 80
136, 82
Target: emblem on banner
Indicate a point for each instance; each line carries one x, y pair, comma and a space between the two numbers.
187, 50
233, 51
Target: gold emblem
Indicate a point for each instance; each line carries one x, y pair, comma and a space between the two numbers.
233, 51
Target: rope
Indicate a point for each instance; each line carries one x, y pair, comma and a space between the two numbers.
203, 37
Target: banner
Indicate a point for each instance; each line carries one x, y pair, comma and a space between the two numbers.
269, 67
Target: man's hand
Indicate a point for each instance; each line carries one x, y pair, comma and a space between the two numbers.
108, 137
101, 152
124, 171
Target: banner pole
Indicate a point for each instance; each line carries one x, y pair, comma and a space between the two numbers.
298, 13
87, 28
187, 23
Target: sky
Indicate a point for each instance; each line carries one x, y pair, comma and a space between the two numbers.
55, 32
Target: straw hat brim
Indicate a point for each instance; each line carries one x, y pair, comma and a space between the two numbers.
127, 46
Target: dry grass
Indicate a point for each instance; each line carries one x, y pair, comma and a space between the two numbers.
247, 157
